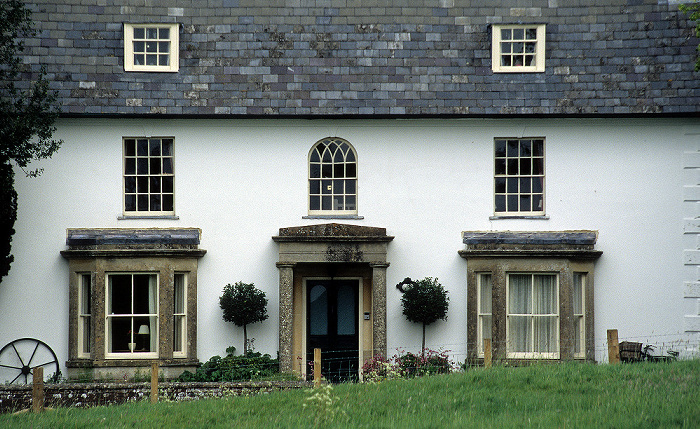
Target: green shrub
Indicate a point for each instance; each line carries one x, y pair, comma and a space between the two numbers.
234, 368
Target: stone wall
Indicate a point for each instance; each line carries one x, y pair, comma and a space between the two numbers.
19, 397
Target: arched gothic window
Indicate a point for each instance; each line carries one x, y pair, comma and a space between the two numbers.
332, 177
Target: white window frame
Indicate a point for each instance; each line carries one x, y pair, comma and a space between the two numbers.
153, 325
327, 185
579, 280
173, 51
496, 48
131, 171
180, 315
482, 315
84, 315
532, 316
531, 176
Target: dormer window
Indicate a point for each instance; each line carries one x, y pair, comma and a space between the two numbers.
518, 48
151, 47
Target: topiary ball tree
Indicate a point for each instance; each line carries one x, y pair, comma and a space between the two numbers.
243, 304
424, 301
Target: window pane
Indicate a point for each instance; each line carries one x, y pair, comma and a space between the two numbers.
500, 203
519, 334
314, 203
327, 170
544, 294
518, 33
485, 293
525, 184
544, 333
318, 311
500, 148
513, 166
351, 170
326, 203
164, 33
339, 170
130, 147
346, 321
155, 184
168, 202
151, 60
326, 187
152, 33
500, 185
500, 165
139, 60
315, 170
130, 166
142, 203
520, 294
168, 184
338, 186
506, 34
119, 294
350, 186
142, 147
537, 166
531, 34
512, 185
350, 202
155, 203
142, 166
315, 187
163, 60
525, 203
155, 166
167, 166
143, 284
139, 33
130, 185
142, 185
130, 203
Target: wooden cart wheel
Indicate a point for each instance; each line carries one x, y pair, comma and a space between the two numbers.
19, 358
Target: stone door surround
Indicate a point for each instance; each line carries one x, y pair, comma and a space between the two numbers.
330, 244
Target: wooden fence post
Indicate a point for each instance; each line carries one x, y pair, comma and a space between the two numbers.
487, 352
317, 367
154, 382
38, 389
613, 347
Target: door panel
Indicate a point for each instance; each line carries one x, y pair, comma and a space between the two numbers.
332, 326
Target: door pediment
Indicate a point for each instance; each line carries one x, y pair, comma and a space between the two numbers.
332, 242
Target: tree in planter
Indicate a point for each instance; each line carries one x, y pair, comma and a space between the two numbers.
424, 301
243, 304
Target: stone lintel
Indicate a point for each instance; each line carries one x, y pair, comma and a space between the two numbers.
132, 253
332, 232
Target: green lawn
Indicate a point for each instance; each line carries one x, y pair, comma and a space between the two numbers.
571, 395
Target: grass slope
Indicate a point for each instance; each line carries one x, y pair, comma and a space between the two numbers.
568, 395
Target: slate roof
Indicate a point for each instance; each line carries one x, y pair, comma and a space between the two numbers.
370, 57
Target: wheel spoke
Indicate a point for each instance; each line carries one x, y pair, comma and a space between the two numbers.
44, 364
33, 353
11, 367
17, 353
18, 375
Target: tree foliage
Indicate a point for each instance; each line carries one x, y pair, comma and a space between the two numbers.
243, 304
28, 110
693, 10
425, 301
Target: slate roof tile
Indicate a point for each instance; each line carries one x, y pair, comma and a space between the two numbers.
370, 57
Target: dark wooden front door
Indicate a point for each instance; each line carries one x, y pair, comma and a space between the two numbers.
332, 326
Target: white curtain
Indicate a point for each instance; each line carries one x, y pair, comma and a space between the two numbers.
532, 313
153, 310
485, 314
520, 309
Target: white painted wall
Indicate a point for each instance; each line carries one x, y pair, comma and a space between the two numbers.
424, 180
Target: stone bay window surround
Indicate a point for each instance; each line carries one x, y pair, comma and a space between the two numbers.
531, 294
132, 300
332, 294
